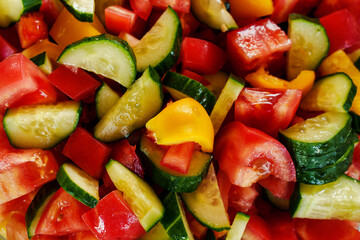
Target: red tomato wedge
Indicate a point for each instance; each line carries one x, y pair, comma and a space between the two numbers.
248, 155
242, 198
282, 9
177, 5
256, 229
6, 49
142, 8
32, 28
118, 19
16, 228
281, 225
112, 218
268, 110
178, 157
62, 215
278, 187
88, 235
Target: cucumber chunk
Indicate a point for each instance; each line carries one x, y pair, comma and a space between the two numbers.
43, 61
105, 55
142, 101
37, 206
170, 179
157, 232
160, 47
105, 99
334, 93
180, 86
339, 199
82, 10
310, 44
206, 204
174, 220
138, 194
11, 10
41, 126
78, 184
317, 136
238, 226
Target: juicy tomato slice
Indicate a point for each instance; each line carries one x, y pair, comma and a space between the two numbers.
253, 45
268, 110
88, 235
189, 23
6, 49
178, 157
142, 8
32, 28
256, 229
16, 228
177, 5
112, 218
62, 215
248, 155
242, 198
282, 9
278, 187
118, 19
316, 229
281, 225
18, 205
51, 10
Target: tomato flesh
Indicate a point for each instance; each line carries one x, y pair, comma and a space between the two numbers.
142, 8
32, 28
178, 157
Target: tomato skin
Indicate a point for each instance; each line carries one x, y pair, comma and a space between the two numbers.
253, 45
142, 8
201, 56
62, 215
88, 153
242, 198
316, 229
247, 155
178, 157
112, 218
32, 28
119, 19
268, 110
256, 229
177, 5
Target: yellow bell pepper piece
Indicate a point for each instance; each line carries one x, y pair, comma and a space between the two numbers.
185, 120
251, 8
355, 55
339, 61
262, 79
67, 29
52, 49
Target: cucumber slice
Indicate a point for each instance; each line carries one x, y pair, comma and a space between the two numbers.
174, 220
82, 10
355, 122
310, 44
105, 55
317, 136
105, 99
357, 63
79, 184
238, 226
280, 203
217, 82
334, 93
326, 174
11, 10
37, 206
142, 101
339, 199
138, 194
157, 232
227, 97
170, 179
41, 126
206, 204
180, 86
160, 47
43, 62
214, 14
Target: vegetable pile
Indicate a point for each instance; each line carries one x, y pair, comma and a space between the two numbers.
187, 119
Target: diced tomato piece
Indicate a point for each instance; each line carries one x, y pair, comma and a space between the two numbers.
202, 56
32, 28
278, 187
195, 76
51, 10
18, 205
248, 155
131, 40
281, 225
142, 8
198, 230
177, 5
75, 82
87, 152
6, 49
316, 229
119, 19
224, 187
268, 110
282, 9
354, 169
189, 23
257, 229
253, 45
342, 30
88, 235
306, 6
178, 157
16, 228
10, 34
124, 153
329, 6
295, 120
49, 237
112, 218
242, 198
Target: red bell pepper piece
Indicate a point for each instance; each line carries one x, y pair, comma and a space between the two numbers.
342, 30
76, 84
6, 49
112, 218
142, 8
178, 157
32, 28
177, 5
87, 152
202, 56
119, 19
